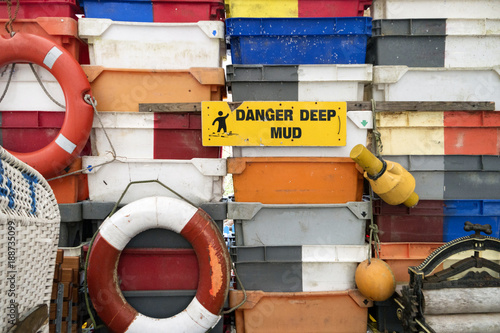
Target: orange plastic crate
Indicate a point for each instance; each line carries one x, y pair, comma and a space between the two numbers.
400, 256
62, 31
72, 188
124, 89
334, 311
295, 180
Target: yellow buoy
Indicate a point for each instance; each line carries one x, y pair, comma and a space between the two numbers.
375, 280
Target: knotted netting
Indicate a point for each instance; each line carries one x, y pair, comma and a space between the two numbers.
29, 234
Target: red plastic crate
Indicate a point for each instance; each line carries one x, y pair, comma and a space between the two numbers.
332, 8
472, 133
27, 131
423, 223
62, 31
158, 269
178, 136
187, 10
31, 9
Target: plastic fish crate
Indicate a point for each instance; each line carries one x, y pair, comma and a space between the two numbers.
32, 9
403, 9
259, 224
295, 180
401, 255
454, 43
124, 89
345, 311
71, 188
358, 124
62, 31
198, 180
188, 10
439, 133
434, 220
151, 135
158, 269
142, 45
298, 82
296, 8
294, 41
298, 268
453, 177
119, 10
402, 83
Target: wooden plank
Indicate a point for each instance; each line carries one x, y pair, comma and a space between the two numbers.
351, 106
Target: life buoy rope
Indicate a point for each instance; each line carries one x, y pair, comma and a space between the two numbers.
195, 226
75, 131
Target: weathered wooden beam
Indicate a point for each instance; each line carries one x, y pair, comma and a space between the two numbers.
351, 106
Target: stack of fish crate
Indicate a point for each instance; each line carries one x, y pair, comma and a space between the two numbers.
154, 52
443, 51
298, 211
30, 117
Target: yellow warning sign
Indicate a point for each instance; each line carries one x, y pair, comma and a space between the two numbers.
274, 124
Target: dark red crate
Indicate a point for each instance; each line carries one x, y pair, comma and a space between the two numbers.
158, 269
188, 10
423, 223
27, 131
332, 8
178, 136
31, 9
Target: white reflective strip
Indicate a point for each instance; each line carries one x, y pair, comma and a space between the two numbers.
141, 215
180, 323
51, 57
65, 144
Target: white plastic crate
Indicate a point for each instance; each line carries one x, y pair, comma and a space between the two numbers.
144, 45
131, 133
198, 180
396, 9
333, 82
331, 267
358, 124
402, 83
25, 93
472, 43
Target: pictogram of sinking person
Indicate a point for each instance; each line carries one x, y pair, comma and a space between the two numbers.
222, 122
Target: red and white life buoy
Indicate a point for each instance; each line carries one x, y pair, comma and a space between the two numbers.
75, 131
159, 212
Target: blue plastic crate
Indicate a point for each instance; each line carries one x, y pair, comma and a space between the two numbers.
116, 10
457, 212
292, 41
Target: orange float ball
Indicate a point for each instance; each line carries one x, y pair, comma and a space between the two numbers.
375, 280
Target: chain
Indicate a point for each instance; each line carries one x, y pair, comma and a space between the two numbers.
377, 137
377, 147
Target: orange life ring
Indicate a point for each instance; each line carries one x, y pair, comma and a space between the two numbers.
75, 131
159, 212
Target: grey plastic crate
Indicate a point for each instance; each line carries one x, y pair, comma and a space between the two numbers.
258, 224
453, 176
263, 82
409, 42
71, 227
